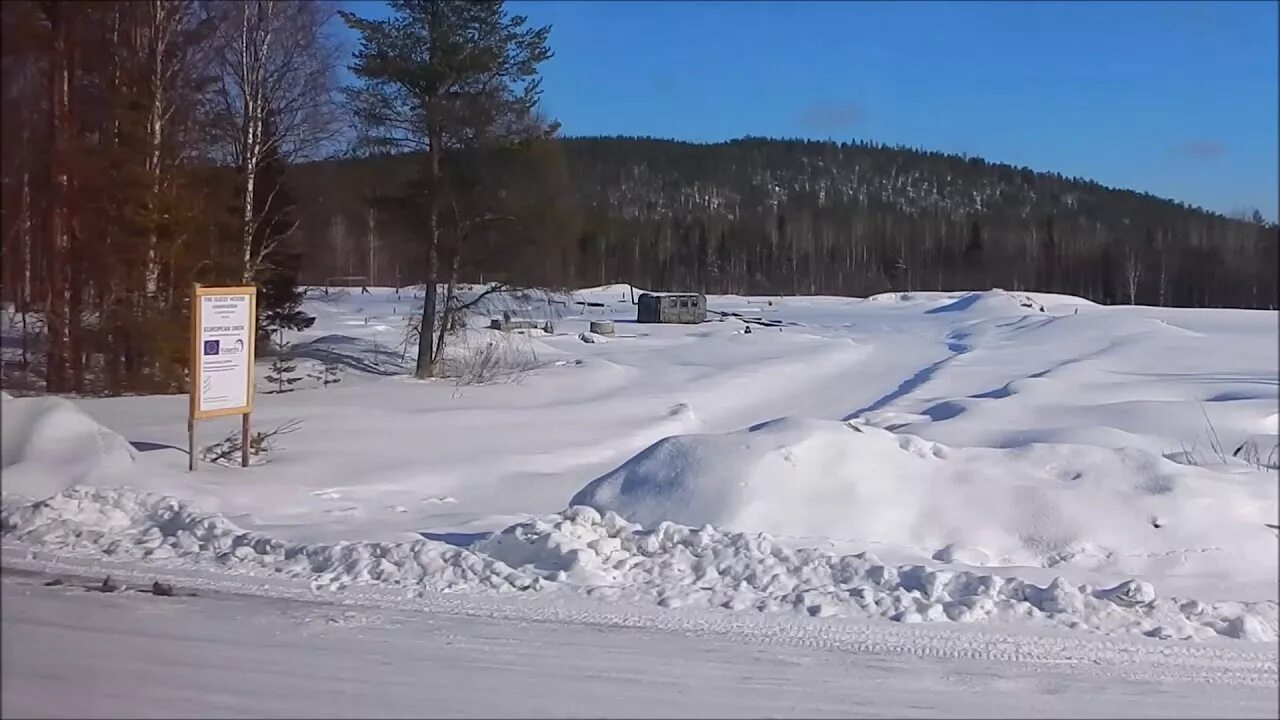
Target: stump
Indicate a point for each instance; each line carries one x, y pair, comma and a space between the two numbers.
602, 327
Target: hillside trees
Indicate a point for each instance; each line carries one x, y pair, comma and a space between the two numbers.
858, 218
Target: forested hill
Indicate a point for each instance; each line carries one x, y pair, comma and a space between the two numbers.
802, 217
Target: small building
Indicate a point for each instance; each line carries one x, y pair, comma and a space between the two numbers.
688, 308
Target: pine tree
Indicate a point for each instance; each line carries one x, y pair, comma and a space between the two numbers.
281, 372
438, 77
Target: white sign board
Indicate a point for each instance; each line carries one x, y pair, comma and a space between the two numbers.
222, 381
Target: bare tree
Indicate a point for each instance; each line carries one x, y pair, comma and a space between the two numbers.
1132, 272
162, 56
276, 65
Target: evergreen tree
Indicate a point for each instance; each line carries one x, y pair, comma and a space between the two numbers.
442, 76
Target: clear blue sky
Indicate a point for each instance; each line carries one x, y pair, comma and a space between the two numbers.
1174, 98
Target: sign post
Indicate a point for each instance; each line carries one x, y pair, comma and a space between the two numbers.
223, 329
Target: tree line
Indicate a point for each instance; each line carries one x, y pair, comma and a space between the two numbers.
146, 145
762, 216
154, 143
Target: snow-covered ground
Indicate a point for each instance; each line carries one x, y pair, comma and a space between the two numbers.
69, 652
991, 463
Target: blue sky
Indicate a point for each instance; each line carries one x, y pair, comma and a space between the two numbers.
1174, 98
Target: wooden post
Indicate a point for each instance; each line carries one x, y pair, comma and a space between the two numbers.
244, 440
193, 382
191, 444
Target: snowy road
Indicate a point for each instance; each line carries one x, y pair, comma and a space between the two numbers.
71, 652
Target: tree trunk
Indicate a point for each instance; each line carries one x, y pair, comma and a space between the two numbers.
24, 250
255, 36
24, 242
428, 355
155, 126
371, 271
446, 316
108, 293
58, 300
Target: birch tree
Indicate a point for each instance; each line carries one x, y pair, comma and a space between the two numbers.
159, 34
276, 66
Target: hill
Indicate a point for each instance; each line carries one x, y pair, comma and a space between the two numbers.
804, 217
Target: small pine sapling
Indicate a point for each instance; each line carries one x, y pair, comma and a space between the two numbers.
330, 373
281, 372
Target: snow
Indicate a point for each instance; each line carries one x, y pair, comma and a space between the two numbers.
72, 653
1041, 505
47, 445
604, 556
977, 463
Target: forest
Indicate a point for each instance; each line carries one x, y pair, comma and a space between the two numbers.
153, 144
762, 216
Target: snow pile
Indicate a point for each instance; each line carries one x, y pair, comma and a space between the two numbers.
47, 444
1040, 505
605, 556
990, 302
678, 566
124, 524
995, 302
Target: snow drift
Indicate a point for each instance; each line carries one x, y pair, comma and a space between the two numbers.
1040, 505
125, 524
47, 444
607, 557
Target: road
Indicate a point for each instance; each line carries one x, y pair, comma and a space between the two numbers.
69, 651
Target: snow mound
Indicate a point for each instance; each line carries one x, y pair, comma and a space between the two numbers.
994, 302
989, 302
607, 557
1038, 505
47, 445
125, 524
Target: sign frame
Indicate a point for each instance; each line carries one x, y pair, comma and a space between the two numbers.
194, 412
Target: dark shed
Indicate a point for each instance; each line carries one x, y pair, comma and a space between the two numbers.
688, 308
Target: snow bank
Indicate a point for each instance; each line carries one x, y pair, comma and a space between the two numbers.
1039, 505
607, 557
124, 524
678, 566
984, 302
989, 302
47, 445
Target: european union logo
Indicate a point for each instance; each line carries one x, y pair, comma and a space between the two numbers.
210, 347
